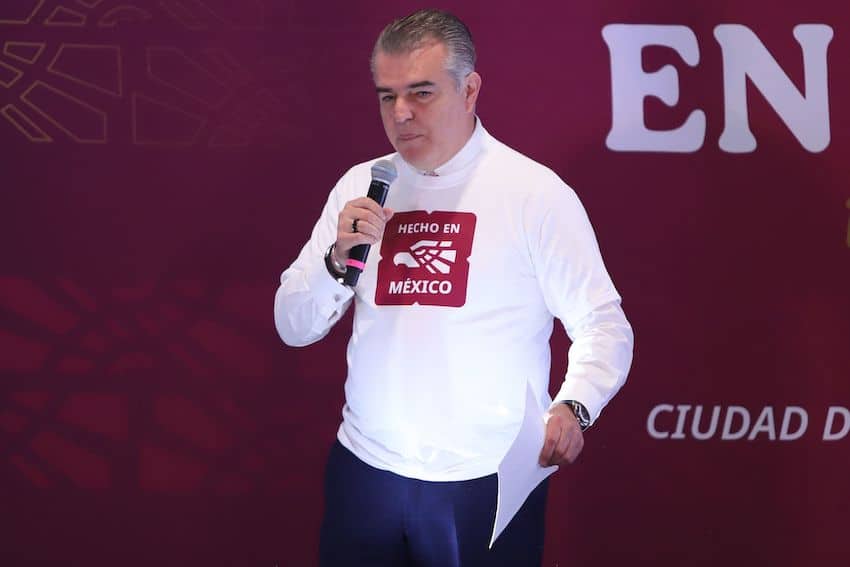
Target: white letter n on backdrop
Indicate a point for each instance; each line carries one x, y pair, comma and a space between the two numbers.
745, 56
630, 85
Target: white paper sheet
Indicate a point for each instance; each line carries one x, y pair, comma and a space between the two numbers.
519, 472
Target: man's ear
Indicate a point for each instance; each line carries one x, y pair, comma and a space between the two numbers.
471, 89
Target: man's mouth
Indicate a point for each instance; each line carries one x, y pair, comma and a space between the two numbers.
407, 137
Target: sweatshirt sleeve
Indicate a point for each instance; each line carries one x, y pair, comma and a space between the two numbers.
309, 300
578, 290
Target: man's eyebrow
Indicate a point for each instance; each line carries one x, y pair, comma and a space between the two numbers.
409, 87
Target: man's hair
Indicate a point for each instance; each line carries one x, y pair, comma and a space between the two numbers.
419, 28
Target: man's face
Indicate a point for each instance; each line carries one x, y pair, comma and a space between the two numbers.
426, 117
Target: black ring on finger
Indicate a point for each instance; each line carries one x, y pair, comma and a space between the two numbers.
354, 225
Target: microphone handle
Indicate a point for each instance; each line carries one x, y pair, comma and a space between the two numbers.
357, 256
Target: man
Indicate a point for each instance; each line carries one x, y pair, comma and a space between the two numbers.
480, 248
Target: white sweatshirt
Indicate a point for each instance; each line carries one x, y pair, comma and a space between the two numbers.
455, 307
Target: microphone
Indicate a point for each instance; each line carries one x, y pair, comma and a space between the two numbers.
383, 174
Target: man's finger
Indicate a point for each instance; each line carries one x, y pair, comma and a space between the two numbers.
345, 242
368, 204
361, 215
550, 442
352, 240
561, 453
575, 448
369, 228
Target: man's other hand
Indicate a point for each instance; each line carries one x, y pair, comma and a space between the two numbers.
564, 439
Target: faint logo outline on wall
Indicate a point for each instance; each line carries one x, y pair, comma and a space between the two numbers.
83, 92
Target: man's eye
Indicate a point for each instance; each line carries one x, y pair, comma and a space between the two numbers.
387, 98
423, 94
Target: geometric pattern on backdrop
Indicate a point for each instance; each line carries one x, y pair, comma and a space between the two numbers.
63, 76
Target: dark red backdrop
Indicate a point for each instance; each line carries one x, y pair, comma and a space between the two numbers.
164, 161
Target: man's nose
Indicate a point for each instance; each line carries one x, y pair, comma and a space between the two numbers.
402, 111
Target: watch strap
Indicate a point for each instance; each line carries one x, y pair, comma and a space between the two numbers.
581, 413
331, 265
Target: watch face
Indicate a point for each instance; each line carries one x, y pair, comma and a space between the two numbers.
330, 265
581, 413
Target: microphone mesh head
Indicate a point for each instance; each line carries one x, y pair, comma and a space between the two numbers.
384, 170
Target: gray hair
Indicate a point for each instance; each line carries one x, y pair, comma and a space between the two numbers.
411, 32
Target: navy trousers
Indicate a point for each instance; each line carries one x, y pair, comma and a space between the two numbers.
374, 518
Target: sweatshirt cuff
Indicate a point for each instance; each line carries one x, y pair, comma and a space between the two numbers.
329, 294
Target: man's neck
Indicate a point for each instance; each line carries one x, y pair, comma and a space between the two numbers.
447, 164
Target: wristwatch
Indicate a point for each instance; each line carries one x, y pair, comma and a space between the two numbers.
334, 269
581, 413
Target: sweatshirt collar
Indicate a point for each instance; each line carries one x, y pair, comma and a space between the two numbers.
456, 165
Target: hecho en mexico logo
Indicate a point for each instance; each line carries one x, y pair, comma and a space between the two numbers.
425, 259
